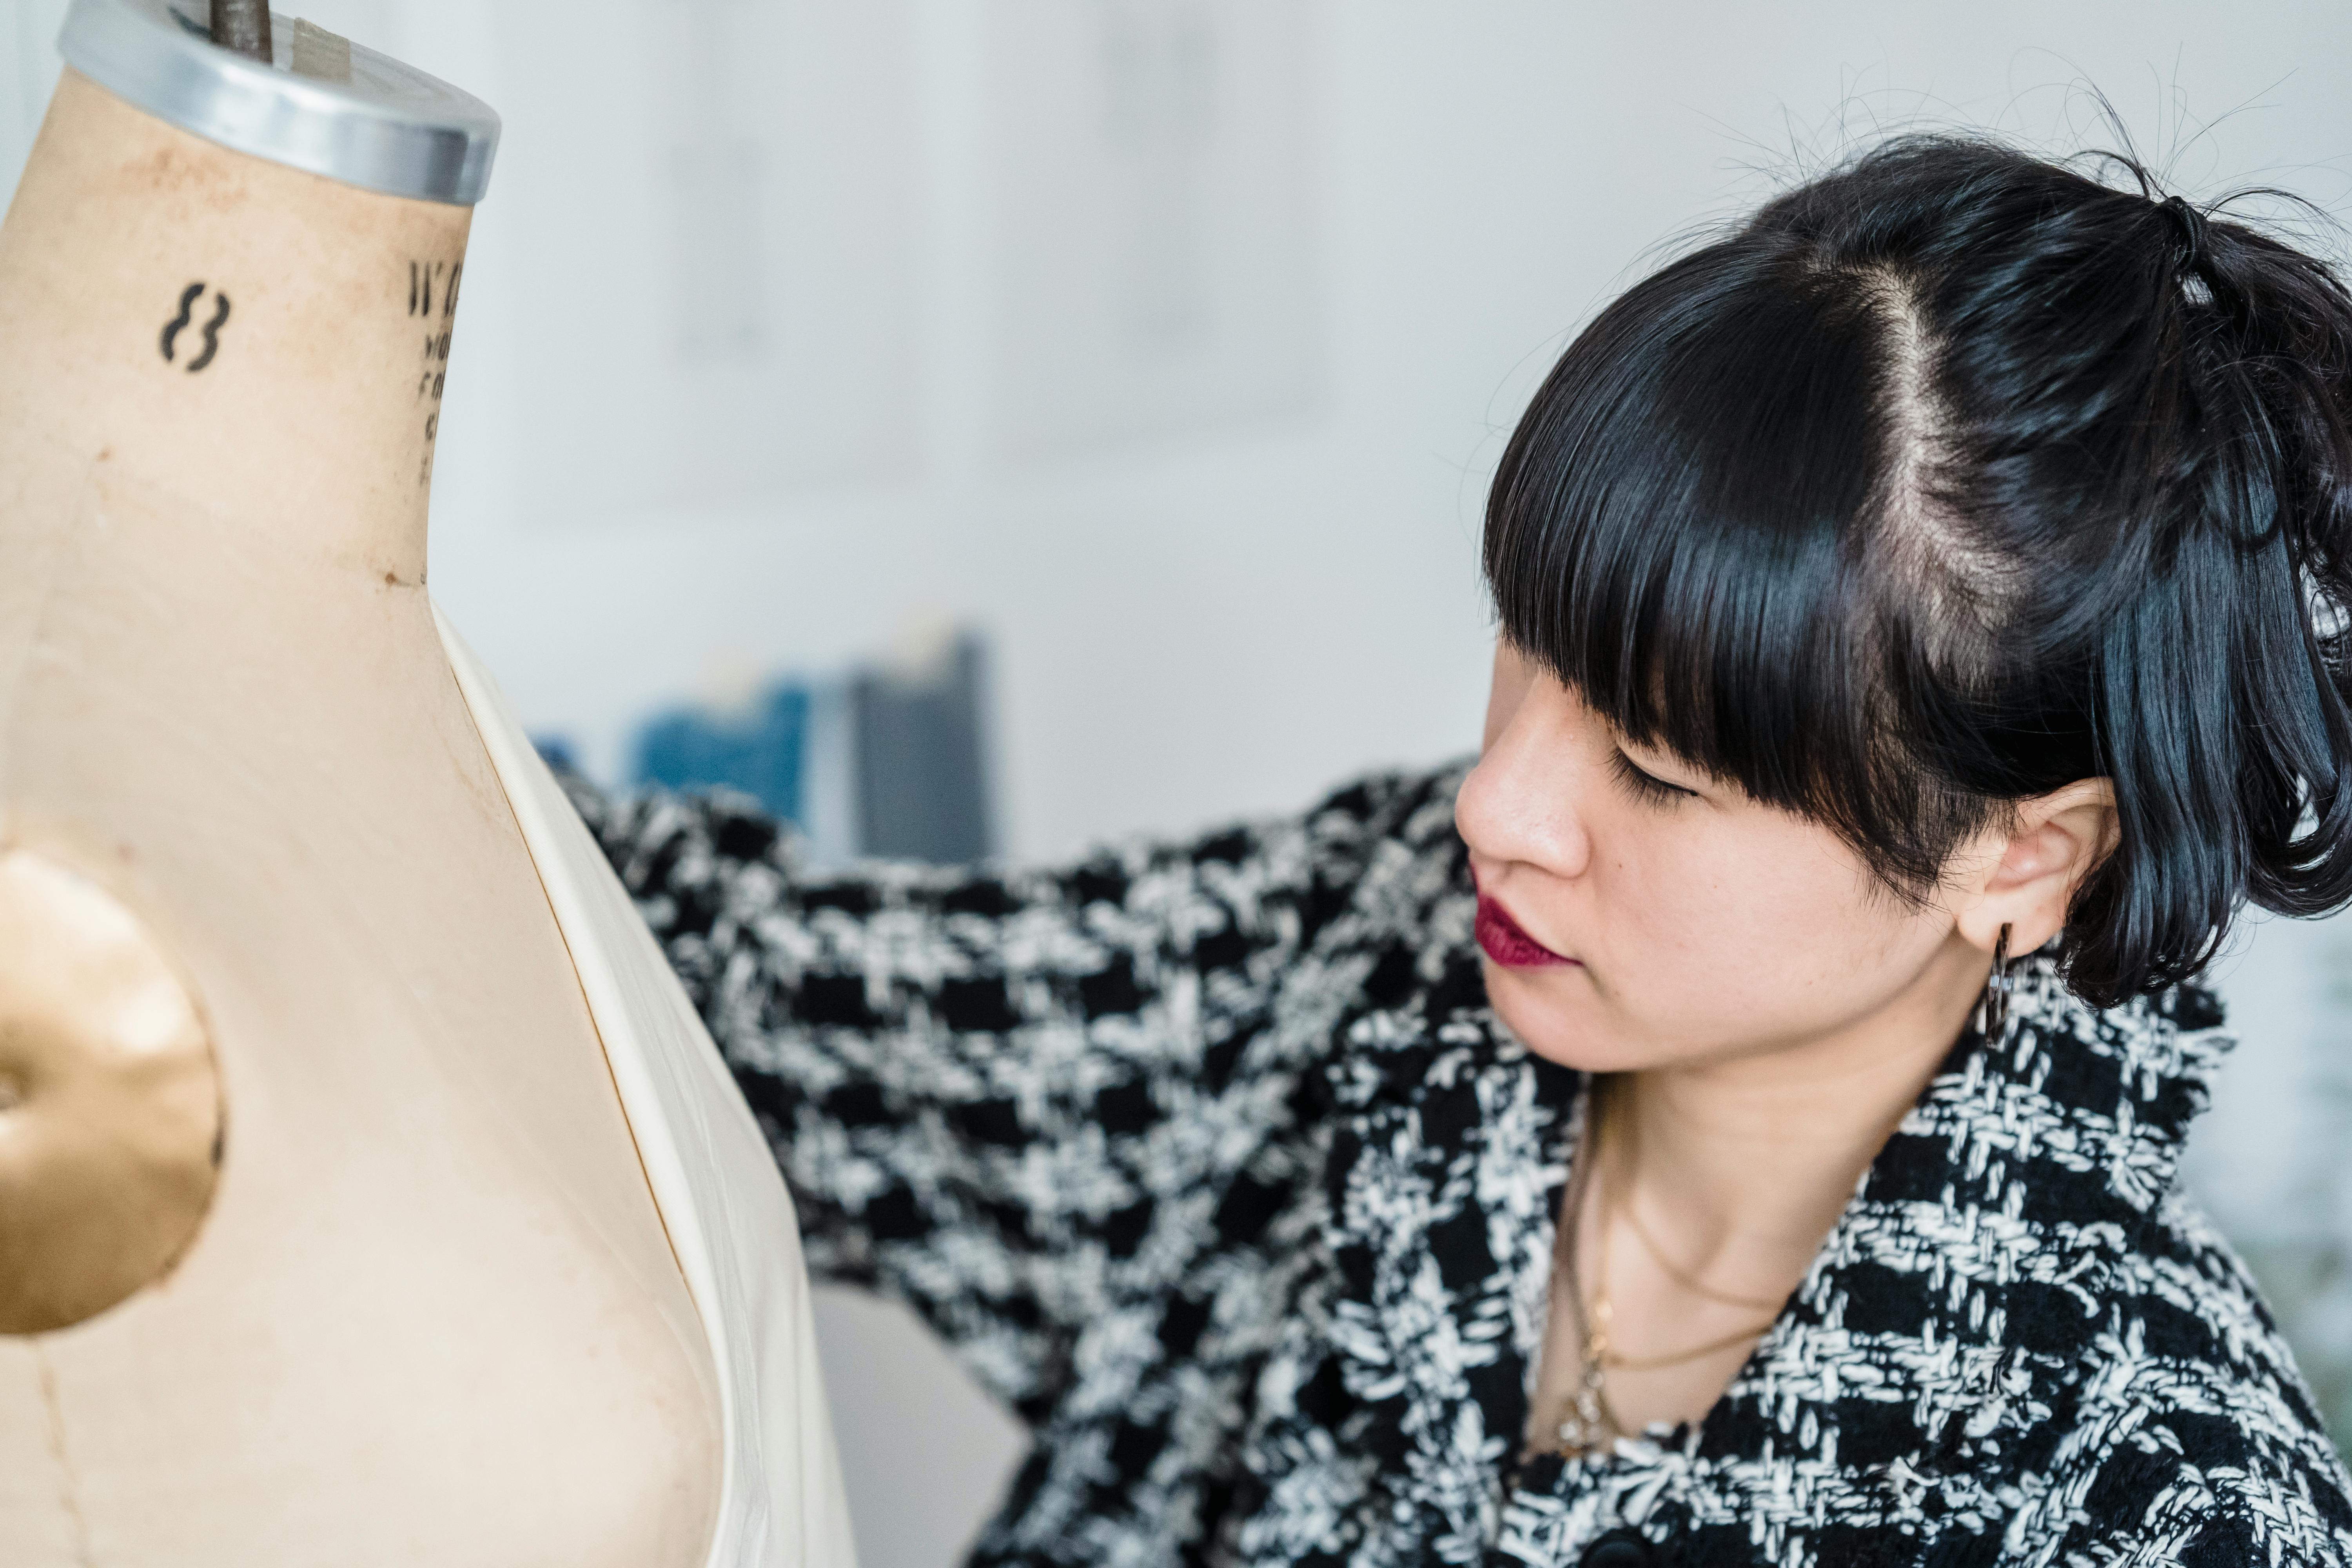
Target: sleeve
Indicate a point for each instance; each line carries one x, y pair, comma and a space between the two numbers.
979, 1082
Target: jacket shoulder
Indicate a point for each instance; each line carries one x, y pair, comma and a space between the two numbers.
2197, 1441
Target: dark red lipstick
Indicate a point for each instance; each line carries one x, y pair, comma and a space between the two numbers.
1508, 945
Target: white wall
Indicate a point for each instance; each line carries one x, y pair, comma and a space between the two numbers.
1217, 582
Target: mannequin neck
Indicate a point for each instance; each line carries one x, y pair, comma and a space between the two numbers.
306, 415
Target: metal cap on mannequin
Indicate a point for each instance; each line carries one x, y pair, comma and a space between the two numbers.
238, 78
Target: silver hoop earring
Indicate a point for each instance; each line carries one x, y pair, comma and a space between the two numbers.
1994, 1011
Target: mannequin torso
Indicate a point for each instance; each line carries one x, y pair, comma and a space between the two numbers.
431, 1315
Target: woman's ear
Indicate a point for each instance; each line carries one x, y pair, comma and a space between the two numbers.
2028, 873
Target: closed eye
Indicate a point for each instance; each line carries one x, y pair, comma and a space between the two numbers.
1646, 787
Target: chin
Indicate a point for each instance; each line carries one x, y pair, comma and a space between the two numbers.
1556, 1015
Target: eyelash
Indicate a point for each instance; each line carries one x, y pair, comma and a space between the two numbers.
1644, 786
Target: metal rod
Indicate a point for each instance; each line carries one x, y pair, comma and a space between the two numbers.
242, 26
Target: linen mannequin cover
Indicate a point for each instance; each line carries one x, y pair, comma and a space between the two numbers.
368, 1186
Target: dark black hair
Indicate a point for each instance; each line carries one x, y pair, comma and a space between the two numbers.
1949, 478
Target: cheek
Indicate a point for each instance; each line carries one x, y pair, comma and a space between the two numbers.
1718, 938
1683, 898
1755, 913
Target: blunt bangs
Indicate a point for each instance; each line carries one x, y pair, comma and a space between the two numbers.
1677, 532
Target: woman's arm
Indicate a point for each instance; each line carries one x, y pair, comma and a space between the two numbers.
986, 1088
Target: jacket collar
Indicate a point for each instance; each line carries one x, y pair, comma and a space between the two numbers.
1449, 1158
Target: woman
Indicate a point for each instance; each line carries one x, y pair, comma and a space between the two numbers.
1736, 1120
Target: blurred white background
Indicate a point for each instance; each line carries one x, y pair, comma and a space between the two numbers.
1171, 341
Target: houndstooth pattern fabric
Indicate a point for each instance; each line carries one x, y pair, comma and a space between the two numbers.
1211, 1161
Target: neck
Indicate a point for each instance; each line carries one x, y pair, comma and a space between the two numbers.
313, 423
1748, 1162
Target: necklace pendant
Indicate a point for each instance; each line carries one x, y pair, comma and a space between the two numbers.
1586, 1427
1578, 1437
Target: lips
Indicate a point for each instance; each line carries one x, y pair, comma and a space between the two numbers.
1508, 945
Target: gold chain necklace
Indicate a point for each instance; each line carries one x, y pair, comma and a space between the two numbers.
1683, 1276
1591, 1424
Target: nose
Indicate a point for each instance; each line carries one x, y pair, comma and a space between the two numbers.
1521, 804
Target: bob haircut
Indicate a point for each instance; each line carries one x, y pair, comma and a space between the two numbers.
1952, 476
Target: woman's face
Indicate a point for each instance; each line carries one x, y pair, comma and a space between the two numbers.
1636, 914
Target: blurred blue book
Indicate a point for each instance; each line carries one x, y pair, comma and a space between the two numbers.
888, 759
761, 750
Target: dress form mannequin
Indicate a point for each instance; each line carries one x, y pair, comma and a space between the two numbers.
428, 1312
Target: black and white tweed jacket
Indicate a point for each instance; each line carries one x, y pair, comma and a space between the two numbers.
1212, 1162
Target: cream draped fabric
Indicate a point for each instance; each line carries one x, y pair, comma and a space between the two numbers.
714, 1180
